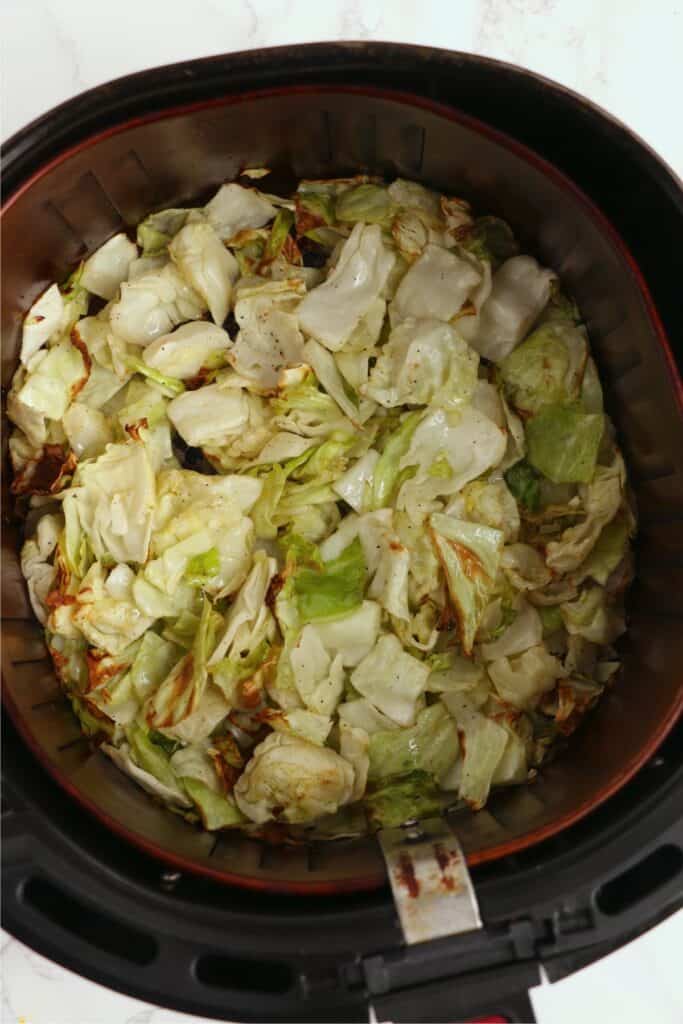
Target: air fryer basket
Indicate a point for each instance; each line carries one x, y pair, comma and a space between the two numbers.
71, 888
110, 180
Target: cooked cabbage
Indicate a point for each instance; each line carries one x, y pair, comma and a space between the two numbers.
424, 362
292, 779
188, 350
301, 552
42, 322
520, 290
437, 285
109, 266
153, 304
331, 312
206, 265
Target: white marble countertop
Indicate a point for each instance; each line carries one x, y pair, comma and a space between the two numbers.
624, 54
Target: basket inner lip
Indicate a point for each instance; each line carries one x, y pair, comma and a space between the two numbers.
375, 879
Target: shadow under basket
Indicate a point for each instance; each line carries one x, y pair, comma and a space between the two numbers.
107, 182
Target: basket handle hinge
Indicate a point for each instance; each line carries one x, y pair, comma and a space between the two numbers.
451, 965
431, 885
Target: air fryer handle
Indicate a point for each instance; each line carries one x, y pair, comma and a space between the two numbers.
498, 996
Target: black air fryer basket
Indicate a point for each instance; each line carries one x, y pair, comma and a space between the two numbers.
99, 878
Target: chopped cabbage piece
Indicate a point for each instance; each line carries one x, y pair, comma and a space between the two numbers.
292, 779
269, 339
309, 725
522, 680
319, 679
234, 209
545, 369
470, 556
170, 794
591, 617
525, 631
331, 312
246, 613
152, 305
104, 271
36, 567
156, 231
484, 742
610, 548
180, 694
110, 621
88, 430
520, 290
366, 203
354, 745
449, 449
391, 679
431, 745
115, 497
53, 380
399, 800
361, 714
188, 350
217, 810
488, 502
208, 267
194, 514
354, 486
524, 567
42, 322
564, 441
436, 285
424, 362
601, 500
524, 484
153, 661
209, 414
334, 589
325, 368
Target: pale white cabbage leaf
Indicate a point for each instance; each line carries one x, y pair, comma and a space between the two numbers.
470, 556
115, 496
449, 449
296, 779
104, 271
522, 680
209, 415
42, 322
436, 285
331, 312
234, 209
152, 305
520, 290
269, 338
208, 267
187, 350
424, 362
391, 679
601, 499
36, 565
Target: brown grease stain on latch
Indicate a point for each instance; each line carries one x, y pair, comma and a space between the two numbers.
405, 875
432, 889
445, 858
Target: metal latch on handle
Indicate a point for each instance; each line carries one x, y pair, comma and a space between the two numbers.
432, 888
